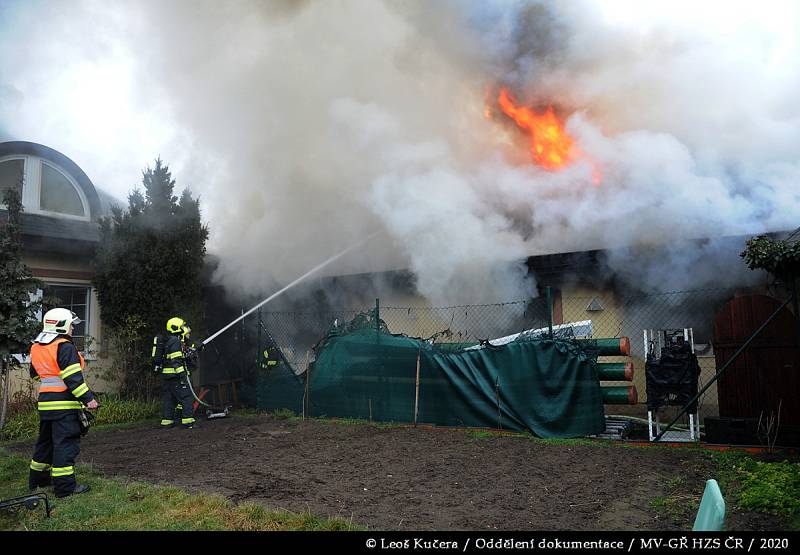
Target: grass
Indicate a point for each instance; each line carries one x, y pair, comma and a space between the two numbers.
680, 504
115, 504
567, 442
485, 434
343, 421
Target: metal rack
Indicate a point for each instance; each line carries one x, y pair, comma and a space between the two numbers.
654, 342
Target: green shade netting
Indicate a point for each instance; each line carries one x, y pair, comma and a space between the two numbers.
547, 387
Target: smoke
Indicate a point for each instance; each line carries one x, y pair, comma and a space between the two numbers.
307, 126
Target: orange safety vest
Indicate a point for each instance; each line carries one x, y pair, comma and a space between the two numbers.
45, 361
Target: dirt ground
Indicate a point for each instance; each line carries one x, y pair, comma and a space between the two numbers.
414, 479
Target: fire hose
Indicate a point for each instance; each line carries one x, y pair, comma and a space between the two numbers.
196, 398
193, 354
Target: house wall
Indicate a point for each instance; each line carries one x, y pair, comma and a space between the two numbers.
59, 269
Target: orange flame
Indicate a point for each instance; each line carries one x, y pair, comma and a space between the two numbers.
551, 146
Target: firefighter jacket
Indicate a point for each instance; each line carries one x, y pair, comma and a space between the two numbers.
270, 359
59, 366
174, 361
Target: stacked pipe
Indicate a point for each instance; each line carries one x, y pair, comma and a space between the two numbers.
615, 371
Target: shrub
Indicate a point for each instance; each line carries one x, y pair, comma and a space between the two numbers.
113, 410
771, 488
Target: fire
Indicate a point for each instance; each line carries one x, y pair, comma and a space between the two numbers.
551, 146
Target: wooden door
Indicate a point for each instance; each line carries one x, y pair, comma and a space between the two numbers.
767, 374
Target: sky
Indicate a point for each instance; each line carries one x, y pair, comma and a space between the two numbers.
306, 126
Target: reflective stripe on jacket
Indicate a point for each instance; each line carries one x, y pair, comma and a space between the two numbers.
58, 365
173, 357
44, 359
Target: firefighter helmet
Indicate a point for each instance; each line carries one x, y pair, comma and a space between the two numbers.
178, 326
59, 320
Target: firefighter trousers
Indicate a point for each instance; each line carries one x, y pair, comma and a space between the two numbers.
176, 392
54, 455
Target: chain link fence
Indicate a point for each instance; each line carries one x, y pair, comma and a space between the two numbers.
652, 320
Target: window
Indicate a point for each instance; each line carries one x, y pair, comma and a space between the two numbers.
12, 173
44, 187
57, 194
74, 298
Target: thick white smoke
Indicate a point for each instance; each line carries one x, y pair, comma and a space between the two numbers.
306, 126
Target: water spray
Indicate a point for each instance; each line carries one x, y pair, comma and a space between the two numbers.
210, 338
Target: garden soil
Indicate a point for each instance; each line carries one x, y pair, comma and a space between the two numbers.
405, 478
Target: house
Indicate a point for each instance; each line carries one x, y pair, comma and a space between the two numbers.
59, 233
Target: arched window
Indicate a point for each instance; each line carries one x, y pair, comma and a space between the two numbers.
58, 194
44, 187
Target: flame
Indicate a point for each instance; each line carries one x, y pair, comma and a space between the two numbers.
551, 146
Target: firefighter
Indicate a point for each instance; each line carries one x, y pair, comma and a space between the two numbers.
56, 362
270, 359
176, 392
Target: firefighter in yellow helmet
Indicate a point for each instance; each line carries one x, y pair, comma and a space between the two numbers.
176, 392
56, 362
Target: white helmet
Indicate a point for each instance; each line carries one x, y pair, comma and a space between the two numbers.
58, 320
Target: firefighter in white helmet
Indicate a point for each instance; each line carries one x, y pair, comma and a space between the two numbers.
56, 362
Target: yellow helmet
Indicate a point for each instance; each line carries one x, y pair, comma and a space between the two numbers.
177, 325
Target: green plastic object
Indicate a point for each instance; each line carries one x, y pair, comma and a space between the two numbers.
615, 371
609, 347
711, 514
619, 395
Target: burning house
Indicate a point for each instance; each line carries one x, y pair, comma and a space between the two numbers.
497, 149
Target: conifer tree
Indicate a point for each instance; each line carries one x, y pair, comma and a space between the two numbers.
149, 264
18, 322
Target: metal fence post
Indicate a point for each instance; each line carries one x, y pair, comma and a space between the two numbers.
242, 343
796, 310
259, 361
416, 388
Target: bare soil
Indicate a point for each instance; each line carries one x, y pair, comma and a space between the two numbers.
404, 478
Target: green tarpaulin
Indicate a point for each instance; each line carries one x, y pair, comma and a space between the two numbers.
548, 387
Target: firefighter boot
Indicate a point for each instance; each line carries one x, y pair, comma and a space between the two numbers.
79, 488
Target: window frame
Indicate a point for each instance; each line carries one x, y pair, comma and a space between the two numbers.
32, 187
24, 159
88, 305
25, 358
